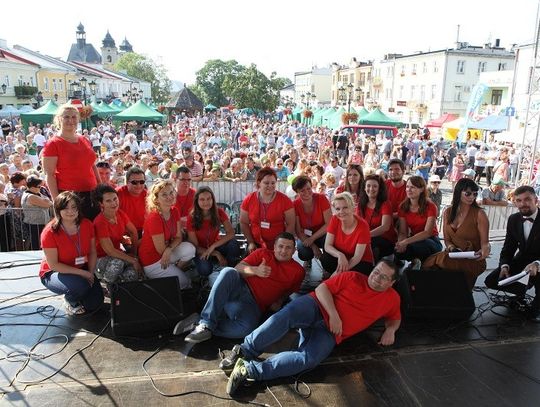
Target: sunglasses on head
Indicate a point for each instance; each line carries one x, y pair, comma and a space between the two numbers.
469, 193
137, 182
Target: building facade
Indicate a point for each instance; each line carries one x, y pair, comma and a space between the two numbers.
352, 84
315, 85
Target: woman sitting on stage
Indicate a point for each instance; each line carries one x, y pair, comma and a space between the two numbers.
465, 228
203, 232
266, 213
162, 251
348, 243
354, 182
110, 226
376, 210
418, 237
70, 256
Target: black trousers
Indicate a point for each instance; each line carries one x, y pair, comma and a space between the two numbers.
515, 288
329, 263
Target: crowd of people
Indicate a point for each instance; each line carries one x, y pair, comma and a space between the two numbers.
124, 208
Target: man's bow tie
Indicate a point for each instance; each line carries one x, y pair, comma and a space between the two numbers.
527, 220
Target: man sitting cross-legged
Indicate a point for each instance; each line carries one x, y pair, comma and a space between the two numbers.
339, 308
242, 295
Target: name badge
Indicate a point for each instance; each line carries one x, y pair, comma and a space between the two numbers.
308, 232
80, 260
265, 225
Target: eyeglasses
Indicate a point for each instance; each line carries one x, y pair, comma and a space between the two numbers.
279, 164
137, 182
381, 275
469, 193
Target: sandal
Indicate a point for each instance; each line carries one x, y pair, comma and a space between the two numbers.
74, 310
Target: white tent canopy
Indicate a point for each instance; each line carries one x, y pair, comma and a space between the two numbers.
9, 111
515, 137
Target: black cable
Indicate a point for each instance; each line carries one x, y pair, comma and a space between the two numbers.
23, 295
18, 263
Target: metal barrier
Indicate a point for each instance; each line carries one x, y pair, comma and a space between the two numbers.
229, 192
15, 234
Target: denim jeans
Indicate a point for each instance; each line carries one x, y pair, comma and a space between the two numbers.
76, 289
315, 344
230, 250
422, 249
306, 253
231, 310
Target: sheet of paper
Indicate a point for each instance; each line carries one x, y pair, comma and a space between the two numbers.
522, 277
462, 255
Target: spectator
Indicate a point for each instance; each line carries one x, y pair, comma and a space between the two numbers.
36, 210
494, 194
434, 192
132, 197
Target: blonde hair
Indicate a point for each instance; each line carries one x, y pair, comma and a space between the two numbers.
344, 196
152, 197
60, 113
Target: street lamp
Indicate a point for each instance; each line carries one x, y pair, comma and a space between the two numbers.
56, 97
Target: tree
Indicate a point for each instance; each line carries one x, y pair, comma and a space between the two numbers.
144, 68
210, 78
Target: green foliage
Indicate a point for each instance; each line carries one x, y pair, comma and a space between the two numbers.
25, 91
218, 81
144, 68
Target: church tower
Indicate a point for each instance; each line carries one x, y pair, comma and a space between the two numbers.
109, 52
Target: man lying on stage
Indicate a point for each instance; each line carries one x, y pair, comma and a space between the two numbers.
339, 308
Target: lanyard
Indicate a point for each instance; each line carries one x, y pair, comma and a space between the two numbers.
76, 243
263, 206
166, 225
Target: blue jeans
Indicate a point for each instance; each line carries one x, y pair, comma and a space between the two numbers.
230, 311
305, 253
422, 249
230, 250
315, 344
76, 289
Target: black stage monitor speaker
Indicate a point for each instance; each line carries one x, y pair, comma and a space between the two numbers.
436, 294
144, 308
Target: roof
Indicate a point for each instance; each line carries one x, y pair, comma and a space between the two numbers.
469, 50
44, 61
93, 70
185, 100
108, 41
12, 57
86, 54
65, 65
126, 46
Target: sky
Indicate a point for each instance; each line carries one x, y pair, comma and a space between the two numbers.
282, 36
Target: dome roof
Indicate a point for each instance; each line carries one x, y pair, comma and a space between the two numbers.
80, 28
108, 41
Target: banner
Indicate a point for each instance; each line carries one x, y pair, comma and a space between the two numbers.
477, 95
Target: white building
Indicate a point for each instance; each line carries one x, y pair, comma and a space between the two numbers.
317, 83
422, 86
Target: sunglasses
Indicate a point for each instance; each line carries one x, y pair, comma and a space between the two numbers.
469, 193
135, 182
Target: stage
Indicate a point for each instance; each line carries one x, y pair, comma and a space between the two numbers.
492, 359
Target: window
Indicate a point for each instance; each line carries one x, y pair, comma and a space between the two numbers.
109, 59
433, 91
20, 80
461, 66
413, 92
424, 67
388, 71
388, 95
31, 81
435, 67
46, 84
413, 69
362, 79
481, 67
402, 70
351, 78
55, 88
502, 66
401, 91
457, 93
496, 97
422, 93
60, 85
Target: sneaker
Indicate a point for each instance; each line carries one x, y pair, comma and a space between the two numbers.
74, 309
416, 264
227, 363
238, 377
187, 324
201, 333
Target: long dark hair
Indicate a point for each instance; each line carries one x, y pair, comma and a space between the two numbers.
197, 212
358, 168
61, 202
423, 199
463, 184
382, 195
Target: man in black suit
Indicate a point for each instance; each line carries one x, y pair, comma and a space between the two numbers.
523, 236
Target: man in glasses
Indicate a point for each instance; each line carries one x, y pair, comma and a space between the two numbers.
132, 197
185, 193
339, 308
521, 250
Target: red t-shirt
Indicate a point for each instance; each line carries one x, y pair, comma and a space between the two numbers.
417, 222
154, 224
284, 279
341, 188
374, 220
66, 245
314, 220
74, 165
395, 195
274, 213
207, 235
184, 204
133, 206
346, 243
357, 304
115, 232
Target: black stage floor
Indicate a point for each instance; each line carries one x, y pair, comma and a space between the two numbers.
491, 360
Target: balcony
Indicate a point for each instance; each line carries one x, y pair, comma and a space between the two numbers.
25, 91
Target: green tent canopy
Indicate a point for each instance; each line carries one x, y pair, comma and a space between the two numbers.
334, 121
210, 108
376, 117
98, 111
140, 111
118, 107
45, 114
362, 112
106, 108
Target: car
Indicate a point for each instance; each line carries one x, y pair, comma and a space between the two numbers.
370, 130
